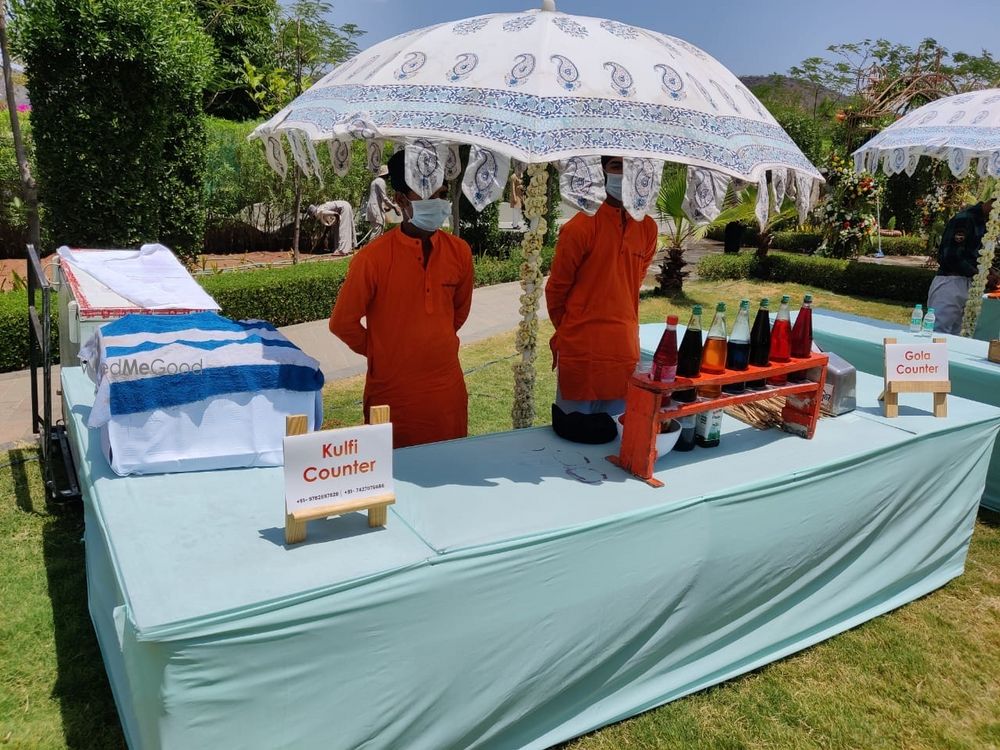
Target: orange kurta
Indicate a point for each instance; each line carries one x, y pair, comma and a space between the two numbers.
593, 300
412, 316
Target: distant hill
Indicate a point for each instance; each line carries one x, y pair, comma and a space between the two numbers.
781, 88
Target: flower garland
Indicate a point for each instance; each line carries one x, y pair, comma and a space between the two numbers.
523, 413
846, 215
975, 301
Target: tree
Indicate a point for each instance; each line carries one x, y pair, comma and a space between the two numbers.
882, 81
822, 76
308, 45
117, 119
974, 72
809, 134
29, 190
242, 32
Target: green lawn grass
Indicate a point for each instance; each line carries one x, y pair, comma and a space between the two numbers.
924, 676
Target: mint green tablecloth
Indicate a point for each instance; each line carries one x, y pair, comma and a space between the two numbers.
860, 341
524, 591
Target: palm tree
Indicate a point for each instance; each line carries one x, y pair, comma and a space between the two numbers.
775, 220
680, 230
739, 206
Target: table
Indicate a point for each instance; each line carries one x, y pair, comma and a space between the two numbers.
525, 590
859, 340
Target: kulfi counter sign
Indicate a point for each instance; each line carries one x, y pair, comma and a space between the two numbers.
337, 471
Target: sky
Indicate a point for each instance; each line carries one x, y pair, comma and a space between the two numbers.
750, 38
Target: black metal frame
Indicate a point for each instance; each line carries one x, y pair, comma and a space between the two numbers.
40, 357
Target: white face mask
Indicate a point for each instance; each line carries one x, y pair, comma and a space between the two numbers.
613, 186
430, 214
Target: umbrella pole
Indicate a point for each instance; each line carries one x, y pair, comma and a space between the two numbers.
975, 301
536, 197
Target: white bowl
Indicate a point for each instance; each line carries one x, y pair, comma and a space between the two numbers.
670, 433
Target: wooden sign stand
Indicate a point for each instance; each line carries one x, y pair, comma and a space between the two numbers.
890, 396
377, 505
994, 351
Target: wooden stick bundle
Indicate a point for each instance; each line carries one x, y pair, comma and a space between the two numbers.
765, 414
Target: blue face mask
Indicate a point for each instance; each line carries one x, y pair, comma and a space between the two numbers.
430, 214
613, 186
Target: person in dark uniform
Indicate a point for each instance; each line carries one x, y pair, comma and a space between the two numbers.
958, 258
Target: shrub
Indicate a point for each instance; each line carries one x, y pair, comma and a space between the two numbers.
908, 245
796, 242
491, 271
116, 93
282, 296
14, 342
902, 283
872, 280
481, 229
719, 267
824, 273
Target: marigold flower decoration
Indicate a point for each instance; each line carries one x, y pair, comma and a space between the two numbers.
523, 413
974, 303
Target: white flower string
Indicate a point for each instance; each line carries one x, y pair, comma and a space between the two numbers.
536, 197
974, 303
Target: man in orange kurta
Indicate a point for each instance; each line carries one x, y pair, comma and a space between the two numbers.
413, 287
593, 301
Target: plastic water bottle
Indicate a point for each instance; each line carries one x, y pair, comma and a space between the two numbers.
928, 324
917, 319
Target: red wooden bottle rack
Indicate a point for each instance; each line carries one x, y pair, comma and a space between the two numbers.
644, 412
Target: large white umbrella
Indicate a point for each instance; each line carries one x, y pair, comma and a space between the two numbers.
963, 130
539, 87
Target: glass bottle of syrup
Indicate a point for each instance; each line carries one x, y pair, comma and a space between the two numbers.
713, 357
665, 358
760, 341
738, 349
802, 337
689, 355
781, 341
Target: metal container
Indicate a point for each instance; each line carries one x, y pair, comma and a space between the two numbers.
840, 390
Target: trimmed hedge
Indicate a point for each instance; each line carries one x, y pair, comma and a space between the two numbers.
900, 283
283, 296
908, 245
490, 271
796, 242
119, 134
14, 341
809, 242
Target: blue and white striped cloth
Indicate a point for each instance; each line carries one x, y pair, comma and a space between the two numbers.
142, 363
